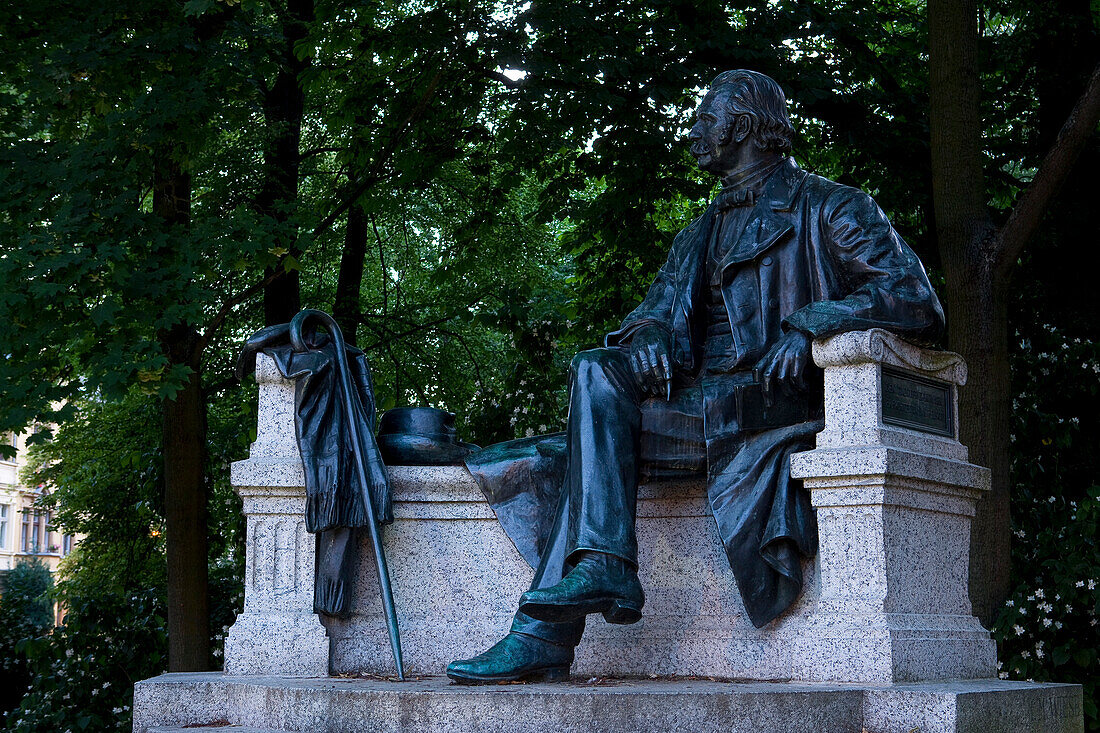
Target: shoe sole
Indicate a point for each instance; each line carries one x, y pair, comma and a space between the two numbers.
549, 674
615, 611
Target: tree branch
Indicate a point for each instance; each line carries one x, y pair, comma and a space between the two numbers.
359, 187
1056, 166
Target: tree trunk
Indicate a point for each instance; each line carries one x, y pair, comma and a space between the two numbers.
976, 314
978, 329
284, 106
183, 431
346, 308
184, 440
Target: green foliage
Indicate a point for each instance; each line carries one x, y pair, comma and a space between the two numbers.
103, 475
510, 222
26, 610
84, 672
1047, 630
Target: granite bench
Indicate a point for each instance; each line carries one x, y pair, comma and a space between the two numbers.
885, 600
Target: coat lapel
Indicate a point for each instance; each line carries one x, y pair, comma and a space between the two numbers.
765, 226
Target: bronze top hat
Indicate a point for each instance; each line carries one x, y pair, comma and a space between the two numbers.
420, 436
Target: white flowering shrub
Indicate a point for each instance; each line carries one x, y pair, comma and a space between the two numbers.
528, 397
84, 672
26, 610
1048, 629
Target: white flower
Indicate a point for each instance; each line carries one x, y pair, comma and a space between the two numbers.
529, 433
1003, 675
1039, 593
1025, 654
1018, 629
1038, 653
1079, 584
1010, 603
1046, 623
1092, 585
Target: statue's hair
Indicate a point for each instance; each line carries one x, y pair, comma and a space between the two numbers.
758, 97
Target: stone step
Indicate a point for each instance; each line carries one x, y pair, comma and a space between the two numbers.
214, 729
432, 705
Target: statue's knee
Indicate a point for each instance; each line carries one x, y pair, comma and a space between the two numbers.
593, 360
596, 367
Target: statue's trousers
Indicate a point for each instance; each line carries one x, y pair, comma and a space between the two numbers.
613, 433
558, 495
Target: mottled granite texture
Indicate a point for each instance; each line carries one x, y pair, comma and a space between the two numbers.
457, 579
853, 396
894, 508
277, 633
333, 705
885, 601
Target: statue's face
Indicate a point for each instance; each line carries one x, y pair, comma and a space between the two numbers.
712, 138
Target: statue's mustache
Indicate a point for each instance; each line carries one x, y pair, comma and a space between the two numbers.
700, 148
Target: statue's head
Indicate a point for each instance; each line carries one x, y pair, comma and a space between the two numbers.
742, 108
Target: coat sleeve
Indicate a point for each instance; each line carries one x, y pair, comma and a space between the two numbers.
881, 281
668, 303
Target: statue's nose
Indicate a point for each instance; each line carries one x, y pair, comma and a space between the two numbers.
694, 133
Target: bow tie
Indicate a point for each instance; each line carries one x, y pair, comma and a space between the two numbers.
728, 198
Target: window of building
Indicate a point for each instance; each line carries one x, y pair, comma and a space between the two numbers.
34, 535
5, 510
66, 545
25, 535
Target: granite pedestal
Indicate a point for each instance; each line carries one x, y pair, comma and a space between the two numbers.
278, 705
883, 638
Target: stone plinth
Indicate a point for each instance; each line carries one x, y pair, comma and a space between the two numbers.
894, 506
457, 579
277, 633
173, 703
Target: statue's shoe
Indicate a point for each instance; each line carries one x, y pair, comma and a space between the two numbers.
515, 658
599, 583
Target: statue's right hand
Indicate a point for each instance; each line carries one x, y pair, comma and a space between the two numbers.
651, 359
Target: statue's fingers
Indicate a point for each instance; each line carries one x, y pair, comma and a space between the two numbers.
799, 376
655, 365
638, 367
767, 375
644, 371
666, 368
786, 368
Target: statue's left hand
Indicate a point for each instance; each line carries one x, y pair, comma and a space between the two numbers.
785, 364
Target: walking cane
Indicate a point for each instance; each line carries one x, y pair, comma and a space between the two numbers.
351, 397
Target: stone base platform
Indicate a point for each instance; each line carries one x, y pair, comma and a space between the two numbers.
182, 701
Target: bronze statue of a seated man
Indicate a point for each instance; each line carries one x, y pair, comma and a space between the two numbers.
712, 376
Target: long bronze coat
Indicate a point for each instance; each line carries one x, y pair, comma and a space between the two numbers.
815, 256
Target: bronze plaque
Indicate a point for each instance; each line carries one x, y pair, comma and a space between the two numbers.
914, 402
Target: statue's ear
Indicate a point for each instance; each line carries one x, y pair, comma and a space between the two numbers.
742, 127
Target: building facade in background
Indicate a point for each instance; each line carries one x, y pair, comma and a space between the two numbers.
25, 527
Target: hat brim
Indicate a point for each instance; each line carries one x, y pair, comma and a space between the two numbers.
418, 450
